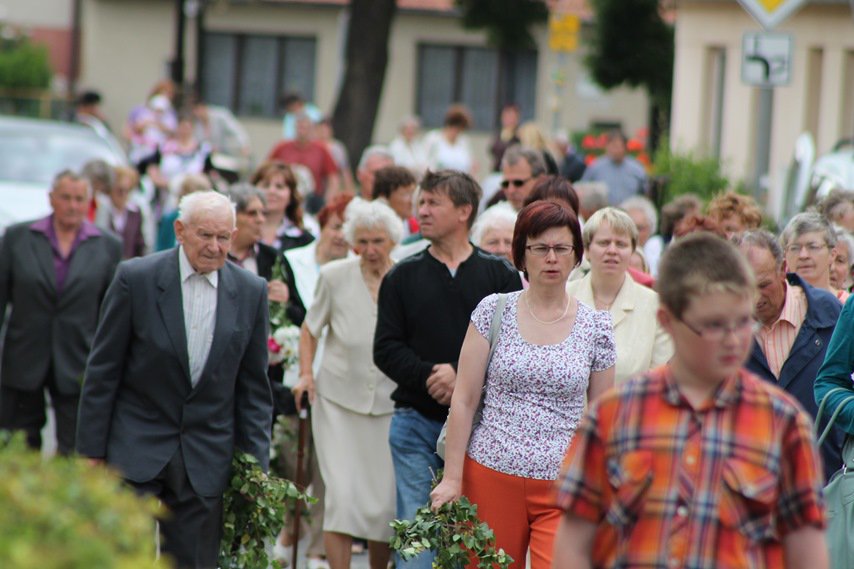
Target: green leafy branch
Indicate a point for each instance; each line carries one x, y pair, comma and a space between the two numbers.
278, 310
454, 532
253, 512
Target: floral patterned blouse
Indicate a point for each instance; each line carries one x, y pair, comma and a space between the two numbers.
535, 393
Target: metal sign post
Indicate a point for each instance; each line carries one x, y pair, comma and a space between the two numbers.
766, 63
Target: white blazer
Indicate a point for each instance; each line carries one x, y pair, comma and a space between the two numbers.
641, 343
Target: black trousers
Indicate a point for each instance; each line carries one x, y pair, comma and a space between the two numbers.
192, 530
22, 410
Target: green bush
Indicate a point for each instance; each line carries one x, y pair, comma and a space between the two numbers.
62, 513
24, 65
683, 173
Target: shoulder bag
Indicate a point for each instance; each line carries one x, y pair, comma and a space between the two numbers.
839, 492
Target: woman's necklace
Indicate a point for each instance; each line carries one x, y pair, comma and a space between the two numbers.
558, 319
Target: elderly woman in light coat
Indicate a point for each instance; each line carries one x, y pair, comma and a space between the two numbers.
351, 398
610, 236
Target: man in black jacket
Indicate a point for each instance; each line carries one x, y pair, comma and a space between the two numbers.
424, 307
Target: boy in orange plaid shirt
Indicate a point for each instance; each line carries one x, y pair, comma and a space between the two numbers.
697, 464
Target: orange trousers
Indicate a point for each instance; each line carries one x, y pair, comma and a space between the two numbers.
521, 511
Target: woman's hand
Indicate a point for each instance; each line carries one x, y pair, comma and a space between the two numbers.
447, 491
277, 291
304, 385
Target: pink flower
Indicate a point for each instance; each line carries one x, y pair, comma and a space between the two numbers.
273, 346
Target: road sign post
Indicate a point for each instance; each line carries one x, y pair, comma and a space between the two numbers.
766, 63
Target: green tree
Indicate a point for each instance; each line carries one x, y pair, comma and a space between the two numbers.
23, 65
631, 44
507, 22
365, 62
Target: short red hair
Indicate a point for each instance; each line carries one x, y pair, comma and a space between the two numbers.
335, 206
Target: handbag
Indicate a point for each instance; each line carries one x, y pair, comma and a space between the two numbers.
494, 328
839, 492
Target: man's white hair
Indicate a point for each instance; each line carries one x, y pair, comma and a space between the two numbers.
361, 214
646, 207
500, 213
374, 150
194, 205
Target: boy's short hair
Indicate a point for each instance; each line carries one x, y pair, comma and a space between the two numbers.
698, 264
389, 179
461, 188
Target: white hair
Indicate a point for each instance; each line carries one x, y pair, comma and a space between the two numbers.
498, 214
846, 240
193, 205
645, 206
374, 150
361, 214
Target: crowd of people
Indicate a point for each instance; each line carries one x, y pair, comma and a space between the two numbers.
661, 366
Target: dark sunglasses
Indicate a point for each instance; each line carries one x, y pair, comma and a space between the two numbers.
518, 183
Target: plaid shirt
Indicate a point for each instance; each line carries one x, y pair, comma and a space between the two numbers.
671, 486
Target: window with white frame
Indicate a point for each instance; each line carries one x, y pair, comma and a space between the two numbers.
248, 72
483, 79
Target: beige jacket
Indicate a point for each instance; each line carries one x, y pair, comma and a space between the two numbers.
348, 376
641, 343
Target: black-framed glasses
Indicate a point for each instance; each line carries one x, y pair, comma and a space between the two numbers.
542, 250
517, 183
717, 331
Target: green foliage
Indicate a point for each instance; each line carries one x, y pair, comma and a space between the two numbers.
507, 22
632, 44
61, 512
253, 511
454, 532
684, 173
24, 65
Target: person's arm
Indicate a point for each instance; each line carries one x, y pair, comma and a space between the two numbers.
600, 382
573, 544
836, 369
253, 401
307, 350
806, 548
392, 353
7, 257
603, 367
104, 368
473, 361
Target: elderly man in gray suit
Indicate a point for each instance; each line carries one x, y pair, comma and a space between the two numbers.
177, 378
53, 274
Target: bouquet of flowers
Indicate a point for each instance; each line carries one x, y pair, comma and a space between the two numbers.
283, 341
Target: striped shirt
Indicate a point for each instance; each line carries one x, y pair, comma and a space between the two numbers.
668, 485
198, 293
777, 340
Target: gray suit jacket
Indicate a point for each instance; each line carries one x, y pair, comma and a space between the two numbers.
138, 404
44, 330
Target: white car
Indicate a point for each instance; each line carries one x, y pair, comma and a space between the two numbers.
33, 151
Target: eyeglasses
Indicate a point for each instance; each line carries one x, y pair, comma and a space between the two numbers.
717, 331
560, 250
795, 248
517, 183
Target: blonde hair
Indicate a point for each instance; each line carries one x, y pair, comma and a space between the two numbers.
619, 221
730, 204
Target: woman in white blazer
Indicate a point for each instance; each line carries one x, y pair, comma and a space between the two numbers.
610, 236
350, 397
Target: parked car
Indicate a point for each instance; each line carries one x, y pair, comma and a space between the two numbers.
33, 151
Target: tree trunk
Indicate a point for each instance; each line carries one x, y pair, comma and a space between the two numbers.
366, 59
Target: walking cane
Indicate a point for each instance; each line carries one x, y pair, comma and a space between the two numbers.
302, 438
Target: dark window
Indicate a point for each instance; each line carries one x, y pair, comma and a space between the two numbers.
481, 78
248, 73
